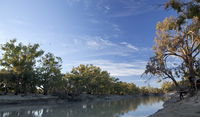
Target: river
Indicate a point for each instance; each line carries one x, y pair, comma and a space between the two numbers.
131, 107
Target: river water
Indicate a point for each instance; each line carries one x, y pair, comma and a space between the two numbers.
132, 107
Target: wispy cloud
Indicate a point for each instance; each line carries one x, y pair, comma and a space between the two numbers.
119, 8
115, 68
124, 8
103, 47
128, 45
93, 42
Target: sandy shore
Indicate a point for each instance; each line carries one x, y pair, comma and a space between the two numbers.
189, 107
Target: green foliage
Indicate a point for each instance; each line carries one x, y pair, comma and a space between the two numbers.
91, 79
49, 72
168, 86
148, 90
186, 9
123, 88
181, 44
177, 37
20, 60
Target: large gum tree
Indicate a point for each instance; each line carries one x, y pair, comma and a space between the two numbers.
184, 44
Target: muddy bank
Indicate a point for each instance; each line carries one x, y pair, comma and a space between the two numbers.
49, 100
189, 107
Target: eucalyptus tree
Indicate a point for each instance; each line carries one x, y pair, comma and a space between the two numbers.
180, 38
20, 60
82, 78
49, 72
186, 9
182, 43
90, 79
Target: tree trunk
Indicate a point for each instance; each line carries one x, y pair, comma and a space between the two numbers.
17, 88
191, 74
24, 88
5, 90
176, 84
45, 91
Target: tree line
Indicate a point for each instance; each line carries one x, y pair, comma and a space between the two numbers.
27, 69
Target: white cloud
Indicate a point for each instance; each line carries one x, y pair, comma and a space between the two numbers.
98, 42
132, 47
117, 69
92, 44
100, 46
128, 45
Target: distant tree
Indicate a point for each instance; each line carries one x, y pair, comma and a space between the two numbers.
20, 60
90, 79
49, 72
167, 87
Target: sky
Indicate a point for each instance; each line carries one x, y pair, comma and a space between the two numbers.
116, 35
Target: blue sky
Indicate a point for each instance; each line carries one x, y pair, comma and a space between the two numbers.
116, 35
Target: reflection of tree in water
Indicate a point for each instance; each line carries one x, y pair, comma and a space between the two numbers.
95, 109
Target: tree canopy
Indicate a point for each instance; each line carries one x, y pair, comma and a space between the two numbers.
186, 9
20, 60
178, 38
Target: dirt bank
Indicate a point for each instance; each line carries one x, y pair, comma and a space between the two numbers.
189, 107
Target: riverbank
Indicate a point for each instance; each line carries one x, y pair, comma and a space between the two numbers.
189, 107
48, 99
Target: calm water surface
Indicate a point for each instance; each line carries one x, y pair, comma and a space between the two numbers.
134, 107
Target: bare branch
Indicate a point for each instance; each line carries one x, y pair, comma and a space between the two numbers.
196, 54
196, 48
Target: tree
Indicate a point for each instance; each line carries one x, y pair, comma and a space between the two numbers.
49, 72
177, 38
183, 44
172, 42
20, 60
158, 68
90, 79
186, 9
5, 80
